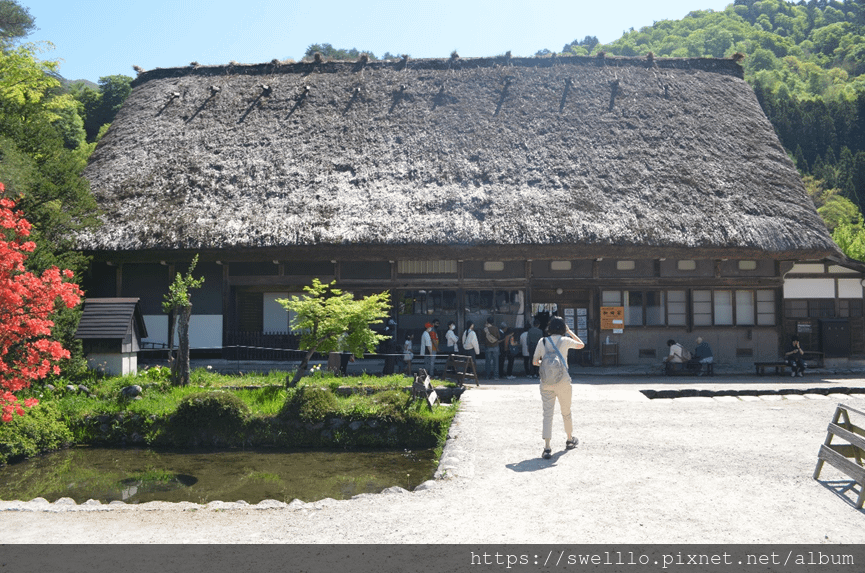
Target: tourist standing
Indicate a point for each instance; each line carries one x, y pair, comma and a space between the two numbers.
556, 383
470, 341
491, 338
524, 348
427, 350
534, 336
451, 339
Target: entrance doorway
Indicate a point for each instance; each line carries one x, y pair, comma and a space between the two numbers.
575, 308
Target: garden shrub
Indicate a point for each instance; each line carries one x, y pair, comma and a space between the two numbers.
211, 409
39, 430
311, 404
206, 419
392, 405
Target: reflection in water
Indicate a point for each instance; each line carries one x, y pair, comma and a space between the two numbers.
142, 475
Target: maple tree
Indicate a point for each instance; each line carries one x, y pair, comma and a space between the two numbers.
27, 301
330, 320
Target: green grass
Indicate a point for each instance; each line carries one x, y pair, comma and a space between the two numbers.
267, 413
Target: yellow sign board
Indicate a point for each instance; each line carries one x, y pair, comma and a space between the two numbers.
613, 318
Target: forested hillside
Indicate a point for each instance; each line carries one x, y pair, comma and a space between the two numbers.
806, 61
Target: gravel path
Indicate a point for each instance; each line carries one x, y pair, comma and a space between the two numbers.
684, 470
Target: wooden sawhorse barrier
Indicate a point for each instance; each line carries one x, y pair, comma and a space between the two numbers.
459, 368
422, 388
839, 455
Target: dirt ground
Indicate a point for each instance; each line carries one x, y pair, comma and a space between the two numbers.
685, 470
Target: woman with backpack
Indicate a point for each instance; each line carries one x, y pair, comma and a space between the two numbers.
551, 355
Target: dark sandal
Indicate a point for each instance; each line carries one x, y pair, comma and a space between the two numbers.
548, 453
571, 444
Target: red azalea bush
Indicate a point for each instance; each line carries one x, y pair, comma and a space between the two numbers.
27, 352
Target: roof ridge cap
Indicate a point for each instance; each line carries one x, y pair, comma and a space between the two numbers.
721, 65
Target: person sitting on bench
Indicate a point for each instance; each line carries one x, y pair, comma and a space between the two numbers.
793, 356
676, 355
702, 354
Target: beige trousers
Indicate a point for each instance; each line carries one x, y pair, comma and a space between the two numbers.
549, 393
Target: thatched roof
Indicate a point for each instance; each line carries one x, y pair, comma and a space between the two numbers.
588, 156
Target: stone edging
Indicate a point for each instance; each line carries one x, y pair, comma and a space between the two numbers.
694, 393
448, 468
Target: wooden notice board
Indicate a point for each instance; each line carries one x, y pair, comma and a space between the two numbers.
613, 318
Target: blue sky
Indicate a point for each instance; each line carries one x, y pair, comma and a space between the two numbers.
96, 38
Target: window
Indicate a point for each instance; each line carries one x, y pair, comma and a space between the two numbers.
633, 308
744, 307
611, 298
796, 308
427, 302
655, 308
503, 305
747, 265
677, 308
821, 308
723, 307
739, 307
426, 267
625, 265
560, 265
494, 266
850, 308
766, 308
687, 265
702, 308
644, 308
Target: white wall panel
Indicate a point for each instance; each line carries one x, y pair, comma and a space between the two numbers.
157, 329
849, 288
275, 316
205, 331
809, 288
808, 268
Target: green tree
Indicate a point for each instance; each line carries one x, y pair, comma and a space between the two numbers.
178, 306
15, 21
44, 156
330, 53
332, 320
586, 45
101, 107
850, 237
838, 210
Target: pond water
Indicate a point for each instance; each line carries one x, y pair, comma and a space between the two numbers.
142, 475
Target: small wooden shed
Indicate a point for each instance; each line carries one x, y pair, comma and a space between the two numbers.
111, 330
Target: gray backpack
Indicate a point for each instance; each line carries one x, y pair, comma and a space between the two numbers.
554, 368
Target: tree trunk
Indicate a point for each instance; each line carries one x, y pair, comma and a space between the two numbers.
301, 370
182, 372
172, 357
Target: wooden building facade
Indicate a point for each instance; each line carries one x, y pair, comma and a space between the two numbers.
746, 309
505, 187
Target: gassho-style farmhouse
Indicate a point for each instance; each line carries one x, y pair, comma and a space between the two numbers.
642, 199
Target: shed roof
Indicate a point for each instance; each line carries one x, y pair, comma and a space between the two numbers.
577, 155
110, 318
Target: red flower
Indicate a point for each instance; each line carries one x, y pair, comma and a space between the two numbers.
27, 352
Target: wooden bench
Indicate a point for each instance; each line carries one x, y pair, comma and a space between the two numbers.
687, 369
845, 457
459, 368
779, 366
812, 356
